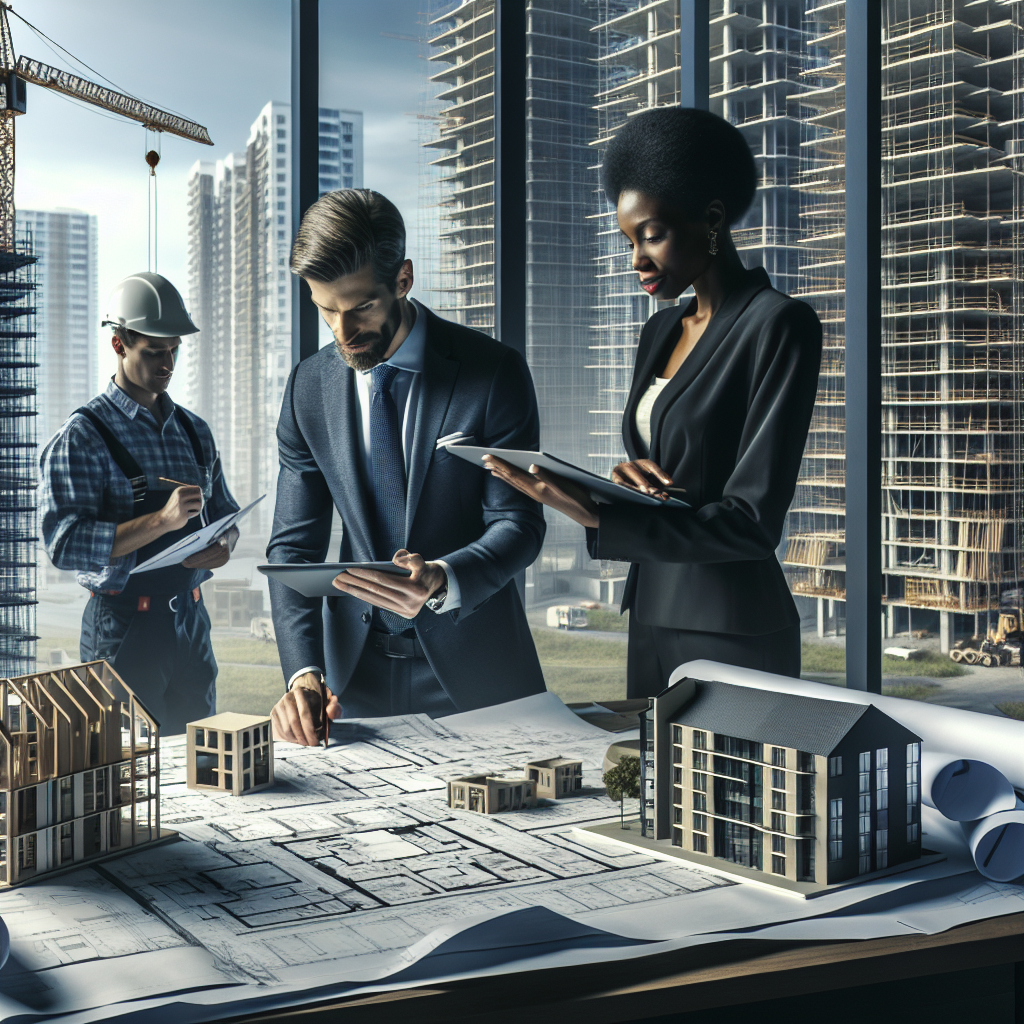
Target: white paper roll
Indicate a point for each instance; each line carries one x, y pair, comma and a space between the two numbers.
964, 789
997, 844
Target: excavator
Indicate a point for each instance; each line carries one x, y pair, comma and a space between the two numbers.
1003, 643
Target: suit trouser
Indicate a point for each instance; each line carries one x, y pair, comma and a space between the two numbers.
381, 686
164, 655
656, 651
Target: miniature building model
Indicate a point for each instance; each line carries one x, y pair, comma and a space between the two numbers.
230, 752
555, 777
79, 764
805, 789
489, 794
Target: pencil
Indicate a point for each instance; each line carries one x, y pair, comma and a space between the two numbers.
177, 483
325, 722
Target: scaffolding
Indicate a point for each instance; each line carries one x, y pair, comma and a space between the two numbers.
951, 308
18, 473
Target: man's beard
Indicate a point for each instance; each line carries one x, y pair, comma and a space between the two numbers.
379, 342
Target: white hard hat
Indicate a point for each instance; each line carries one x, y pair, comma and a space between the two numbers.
150, 304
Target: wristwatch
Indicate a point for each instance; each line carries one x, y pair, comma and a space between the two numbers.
436, 600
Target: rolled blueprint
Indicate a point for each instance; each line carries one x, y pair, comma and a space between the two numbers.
964, 789
997, 844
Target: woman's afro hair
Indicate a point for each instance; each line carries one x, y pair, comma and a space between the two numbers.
683, 157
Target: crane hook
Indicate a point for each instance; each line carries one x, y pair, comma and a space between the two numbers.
152, 158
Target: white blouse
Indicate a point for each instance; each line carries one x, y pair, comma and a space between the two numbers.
644, 408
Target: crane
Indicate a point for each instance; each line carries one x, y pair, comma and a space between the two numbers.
15, 72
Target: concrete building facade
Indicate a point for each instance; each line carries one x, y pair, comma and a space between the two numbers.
67, 311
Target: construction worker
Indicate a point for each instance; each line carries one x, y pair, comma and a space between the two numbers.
126, 476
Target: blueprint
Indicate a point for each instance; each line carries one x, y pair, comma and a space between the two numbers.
352, 874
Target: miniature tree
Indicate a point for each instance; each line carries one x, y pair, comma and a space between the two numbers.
623, 780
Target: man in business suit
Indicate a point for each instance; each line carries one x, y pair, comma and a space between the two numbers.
362, 429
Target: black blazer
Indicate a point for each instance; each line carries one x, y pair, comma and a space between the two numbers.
483, 652
730, 427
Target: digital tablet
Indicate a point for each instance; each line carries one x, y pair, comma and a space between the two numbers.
315, 579
601, 489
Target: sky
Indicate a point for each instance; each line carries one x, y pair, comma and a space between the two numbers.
216, 62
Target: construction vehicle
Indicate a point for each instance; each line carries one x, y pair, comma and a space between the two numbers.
1003, 643
566, 616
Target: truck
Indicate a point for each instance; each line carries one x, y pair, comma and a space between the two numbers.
566, 616
1004, 641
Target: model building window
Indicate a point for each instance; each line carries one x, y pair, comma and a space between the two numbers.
677, 735
677, 815
778, 779
778, 865
835, 766
261, 766
779, 757
228, 740
739, 843
913, 791
700, 740
835, 829
700, 843
3, 814
67, 843
200, 737
778, 801
206, 768
700, 782
700, 761
700, 823
778, 844
778, 822
700, 802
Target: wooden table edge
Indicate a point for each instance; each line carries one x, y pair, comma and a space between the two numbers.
805, 969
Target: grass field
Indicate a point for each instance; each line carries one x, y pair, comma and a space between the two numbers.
1013, 709
829, 658
607, 620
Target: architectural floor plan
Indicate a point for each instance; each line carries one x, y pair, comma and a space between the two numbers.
350, 867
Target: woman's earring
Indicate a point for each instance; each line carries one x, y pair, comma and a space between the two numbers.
713, 242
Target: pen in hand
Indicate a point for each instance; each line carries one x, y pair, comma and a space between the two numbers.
323, 730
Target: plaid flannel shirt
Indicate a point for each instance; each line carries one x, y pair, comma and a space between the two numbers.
84, 495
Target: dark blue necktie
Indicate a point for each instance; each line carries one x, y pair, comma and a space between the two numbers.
388, 478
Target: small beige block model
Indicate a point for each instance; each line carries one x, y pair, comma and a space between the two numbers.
230, 752
488, 794
555, 777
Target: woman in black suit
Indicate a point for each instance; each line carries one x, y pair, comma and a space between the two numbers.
722, 394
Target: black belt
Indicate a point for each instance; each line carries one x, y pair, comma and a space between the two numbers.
394, 645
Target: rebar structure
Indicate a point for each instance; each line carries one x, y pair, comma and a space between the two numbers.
18, 474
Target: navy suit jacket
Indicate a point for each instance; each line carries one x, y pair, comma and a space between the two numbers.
482, 653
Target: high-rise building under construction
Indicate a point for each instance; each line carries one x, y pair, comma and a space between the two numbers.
952, 305
561, 289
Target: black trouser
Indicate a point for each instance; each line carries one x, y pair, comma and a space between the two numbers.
381, 685
655, 652
163, 654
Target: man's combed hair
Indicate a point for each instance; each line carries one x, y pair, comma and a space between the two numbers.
344, 231
684, 157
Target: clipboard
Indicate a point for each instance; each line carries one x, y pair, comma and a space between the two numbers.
193, 542
315, 579
602, 490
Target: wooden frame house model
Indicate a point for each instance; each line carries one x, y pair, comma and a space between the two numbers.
79, 770
230, 752
796, 791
